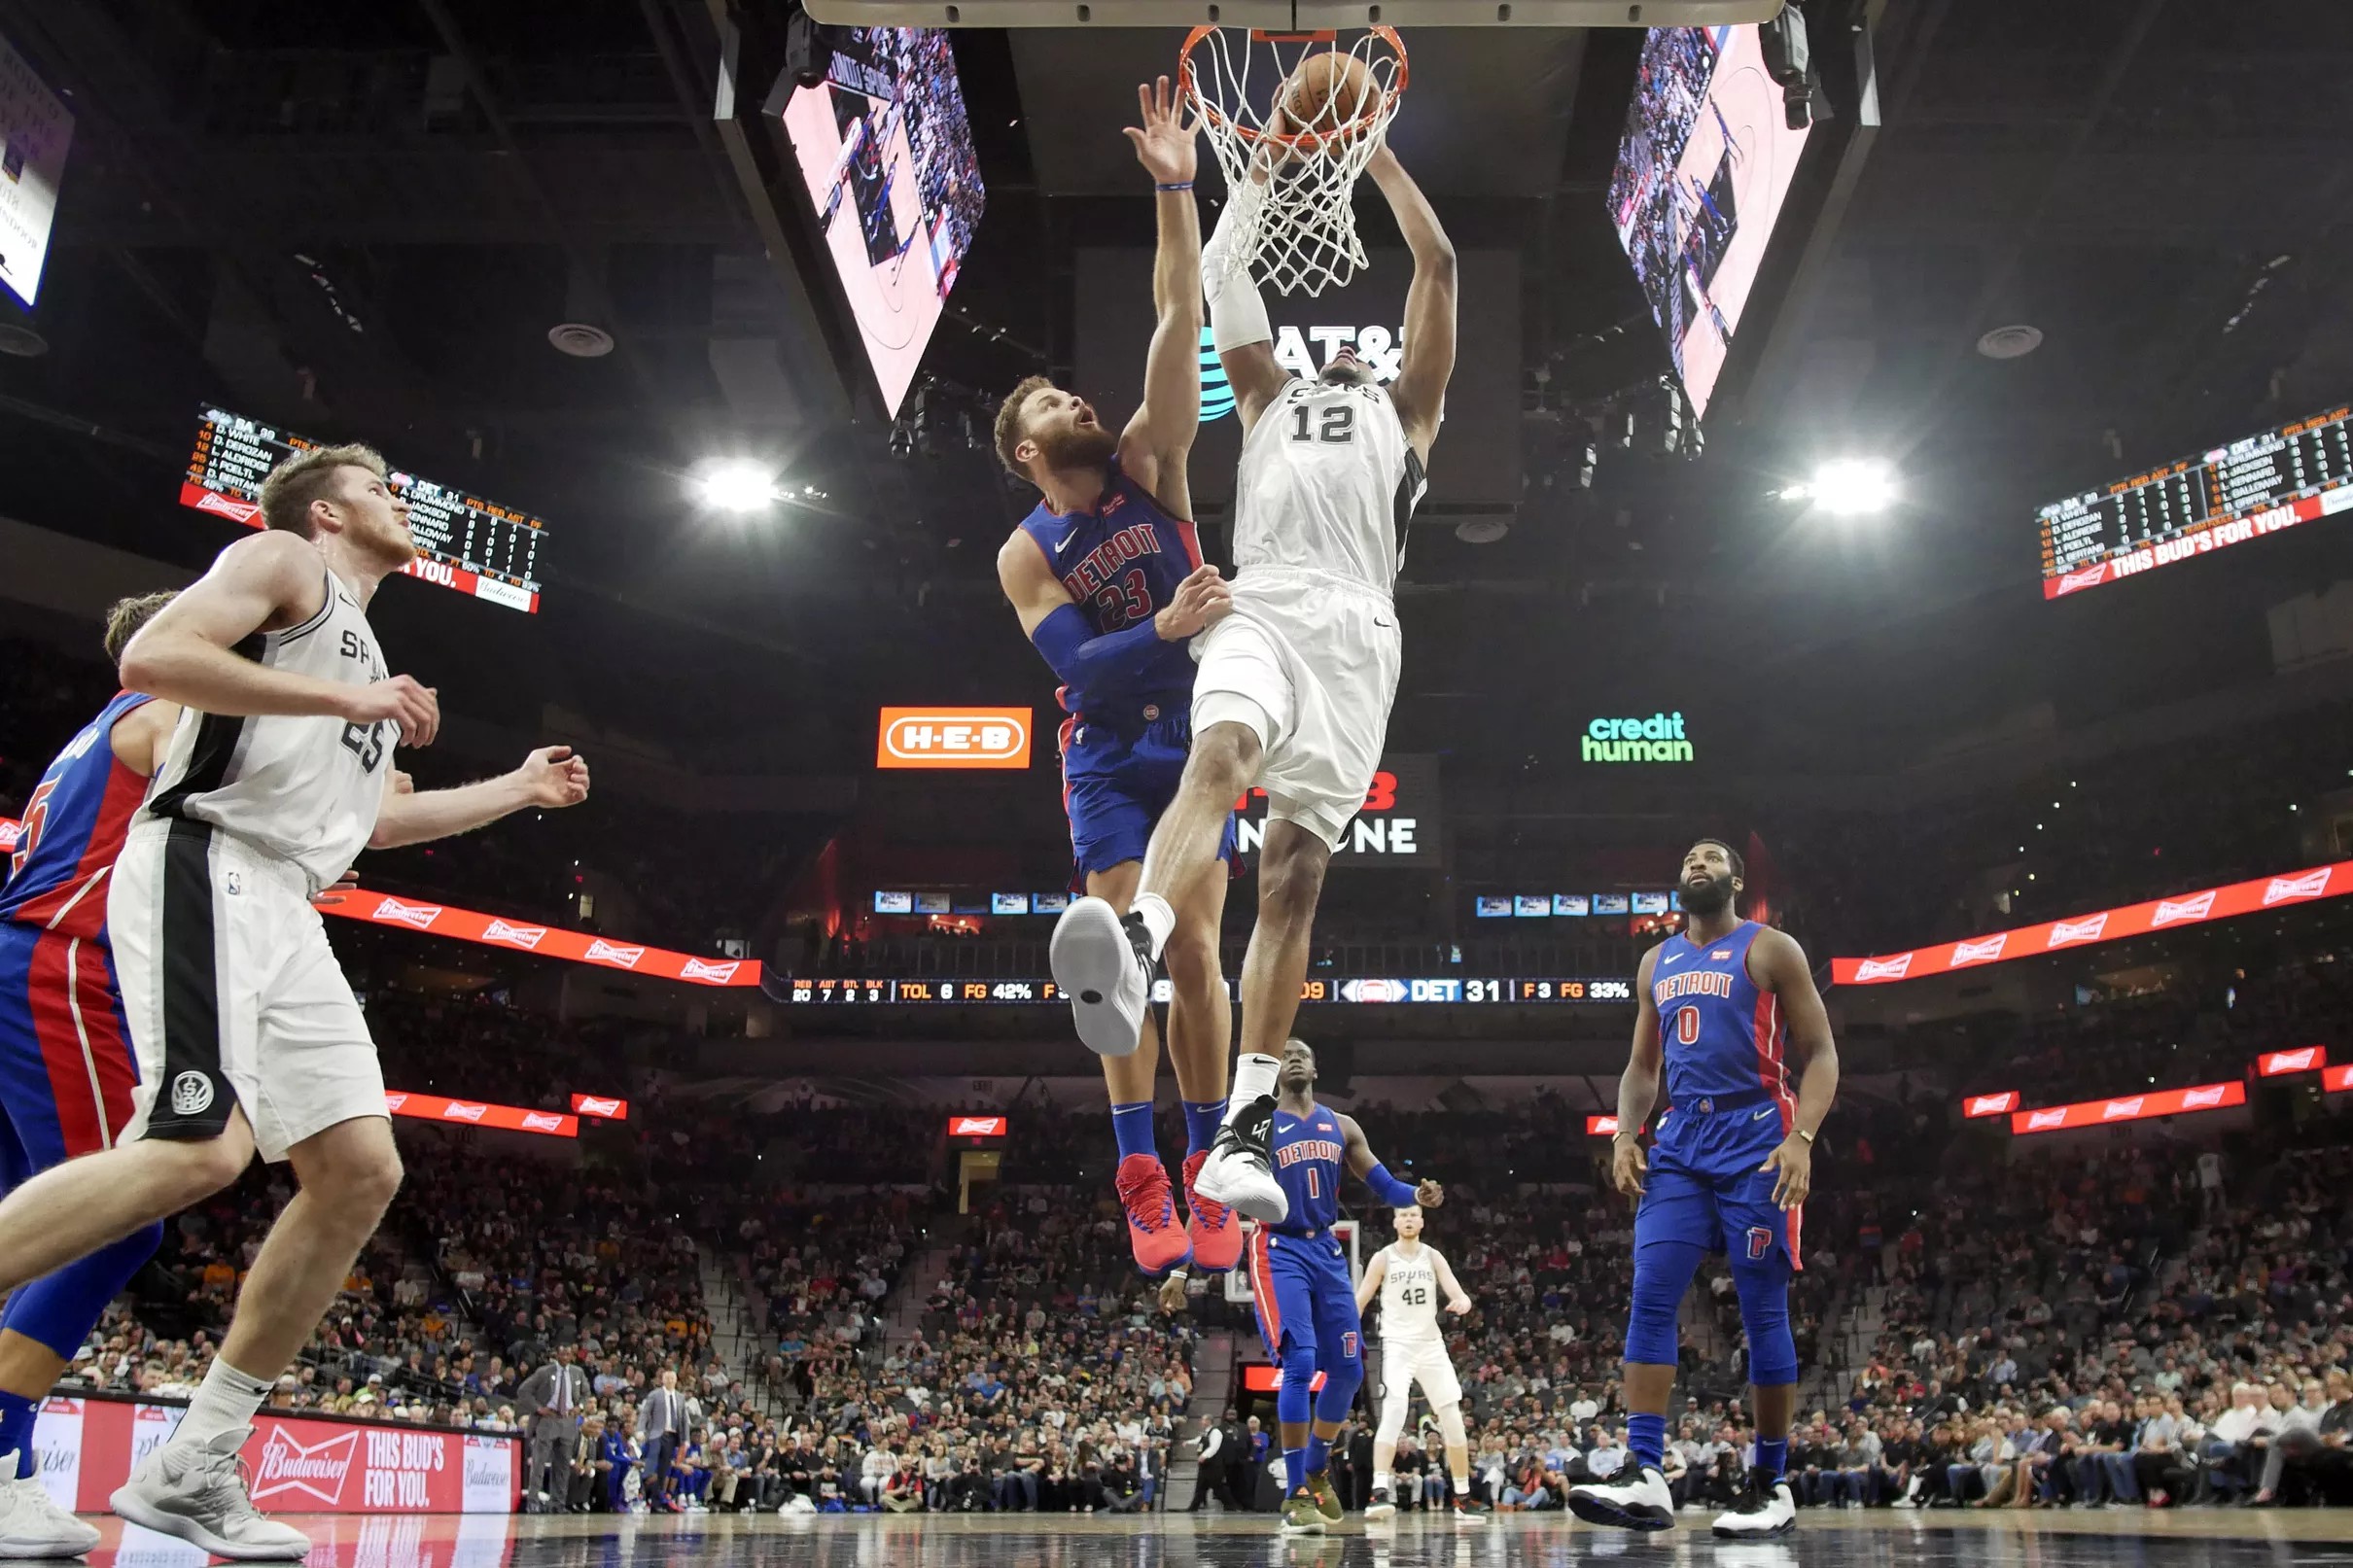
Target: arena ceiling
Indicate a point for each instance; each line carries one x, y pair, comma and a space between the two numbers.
362, 219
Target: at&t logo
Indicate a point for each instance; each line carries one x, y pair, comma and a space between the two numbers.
1382, 348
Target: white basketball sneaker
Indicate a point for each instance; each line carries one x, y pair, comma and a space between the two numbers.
32, 1526
1641, 1504
1239, 1171
1104, 964
1761, 1512
192, 1490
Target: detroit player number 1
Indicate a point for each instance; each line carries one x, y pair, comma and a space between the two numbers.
1728, 1169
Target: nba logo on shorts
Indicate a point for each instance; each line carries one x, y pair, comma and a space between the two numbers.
1347, 1347
1760, 1241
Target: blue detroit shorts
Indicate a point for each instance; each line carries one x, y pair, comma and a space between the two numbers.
1115, 783
1703, 1185
1301, 1288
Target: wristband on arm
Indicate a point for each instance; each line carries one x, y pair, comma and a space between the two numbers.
1387, 1187
1089, 663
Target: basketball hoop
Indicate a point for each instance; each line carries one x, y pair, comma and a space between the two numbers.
1292, 184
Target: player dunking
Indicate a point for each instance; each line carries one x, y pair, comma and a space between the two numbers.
1295, 684
1299, 1283
1408, 1278
247, 1034
1730, 1163
1108, 579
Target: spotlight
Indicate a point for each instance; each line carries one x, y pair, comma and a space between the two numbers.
735, 485
1849, 487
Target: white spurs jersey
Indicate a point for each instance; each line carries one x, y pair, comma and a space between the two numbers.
1409, 1296
1328, 483
308, 789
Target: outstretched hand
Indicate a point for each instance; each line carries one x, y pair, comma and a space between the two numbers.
1429, 1194
555, 776
1172, 1296
1202, 599
1165, 142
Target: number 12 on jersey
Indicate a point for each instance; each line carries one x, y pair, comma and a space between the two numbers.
1336, 427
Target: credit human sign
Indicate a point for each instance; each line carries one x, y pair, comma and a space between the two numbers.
1657, 739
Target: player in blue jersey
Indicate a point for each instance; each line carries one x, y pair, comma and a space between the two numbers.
1729, 1168
1108, 579
1300, 1284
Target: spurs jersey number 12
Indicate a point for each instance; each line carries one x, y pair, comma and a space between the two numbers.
306, 788
1409, 1296
1328, 483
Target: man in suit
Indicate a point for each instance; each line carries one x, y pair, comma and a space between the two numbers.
589, 1467
550, 1400
662, 1426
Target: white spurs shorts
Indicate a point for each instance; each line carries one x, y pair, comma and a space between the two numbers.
1308, 662
1405, 1364
232, 994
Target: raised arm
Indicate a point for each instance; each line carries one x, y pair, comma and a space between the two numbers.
1237, 322
1152, 448
1779, 965
1638, 1086
550, 777
1428, 364
1370, 1285
269, 583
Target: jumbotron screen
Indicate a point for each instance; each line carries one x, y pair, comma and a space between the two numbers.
887, 153
2194, 506
465, 543
1703, 172
1360, 989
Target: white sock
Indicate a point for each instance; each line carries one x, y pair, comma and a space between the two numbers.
1254, 1080
225, 1401
1159, 920
1381, 1481
1462, 1485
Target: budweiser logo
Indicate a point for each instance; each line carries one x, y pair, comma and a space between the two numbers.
523, 936
2123, 1111
718, 974
317, 1471
2044, 1121
2090, 577
458, 1110
392, 1101
2303, 1060
2088, 929
1992, 1105
240, 511
2197, 907
420, 916
975, 1127
1985, 950
1893, 968
590, 1105
601, 951
2199, 1099
542, 1122
2286, 889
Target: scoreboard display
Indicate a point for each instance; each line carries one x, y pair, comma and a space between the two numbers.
464, 542
2198, 505
1360, 989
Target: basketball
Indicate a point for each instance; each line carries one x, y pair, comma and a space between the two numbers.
1328, 92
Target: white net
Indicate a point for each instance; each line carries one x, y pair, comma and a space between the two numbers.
1294, 181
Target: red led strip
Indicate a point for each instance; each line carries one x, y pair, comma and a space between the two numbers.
2130, 1108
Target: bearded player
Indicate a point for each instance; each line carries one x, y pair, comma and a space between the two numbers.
1108, 579
1295, 684
1407, 1278
1729, 1169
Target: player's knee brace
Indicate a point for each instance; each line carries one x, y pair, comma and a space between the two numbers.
1662, 1272
1342, 1375
60, 1309
1449, 1427
1763, 1284
1294, 1401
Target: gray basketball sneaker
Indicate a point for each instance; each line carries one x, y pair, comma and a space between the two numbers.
31, 1525
193, 1491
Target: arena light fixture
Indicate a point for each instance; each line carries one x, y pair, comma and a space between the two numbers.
735, 485
1853, 487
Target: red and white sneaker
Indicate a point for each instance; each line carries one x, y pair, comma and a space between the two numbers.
1215, 1229
1153, 1234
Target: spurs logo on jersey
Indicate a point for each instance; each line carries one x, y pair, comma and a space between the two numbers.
1328, 483
1409, 1296
306, 788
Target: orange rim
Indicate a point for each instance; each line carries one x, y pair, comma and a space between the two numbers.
1307, 141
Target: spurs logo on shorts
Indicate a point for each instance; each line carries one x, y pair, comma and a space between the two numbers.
191, 1095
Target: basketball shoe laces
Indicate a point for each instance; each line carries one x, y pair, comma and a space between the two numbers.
1209, 1213
1146, 1199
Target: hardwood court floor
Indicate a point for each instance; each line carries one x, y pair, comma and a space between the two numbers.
2222, 1538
